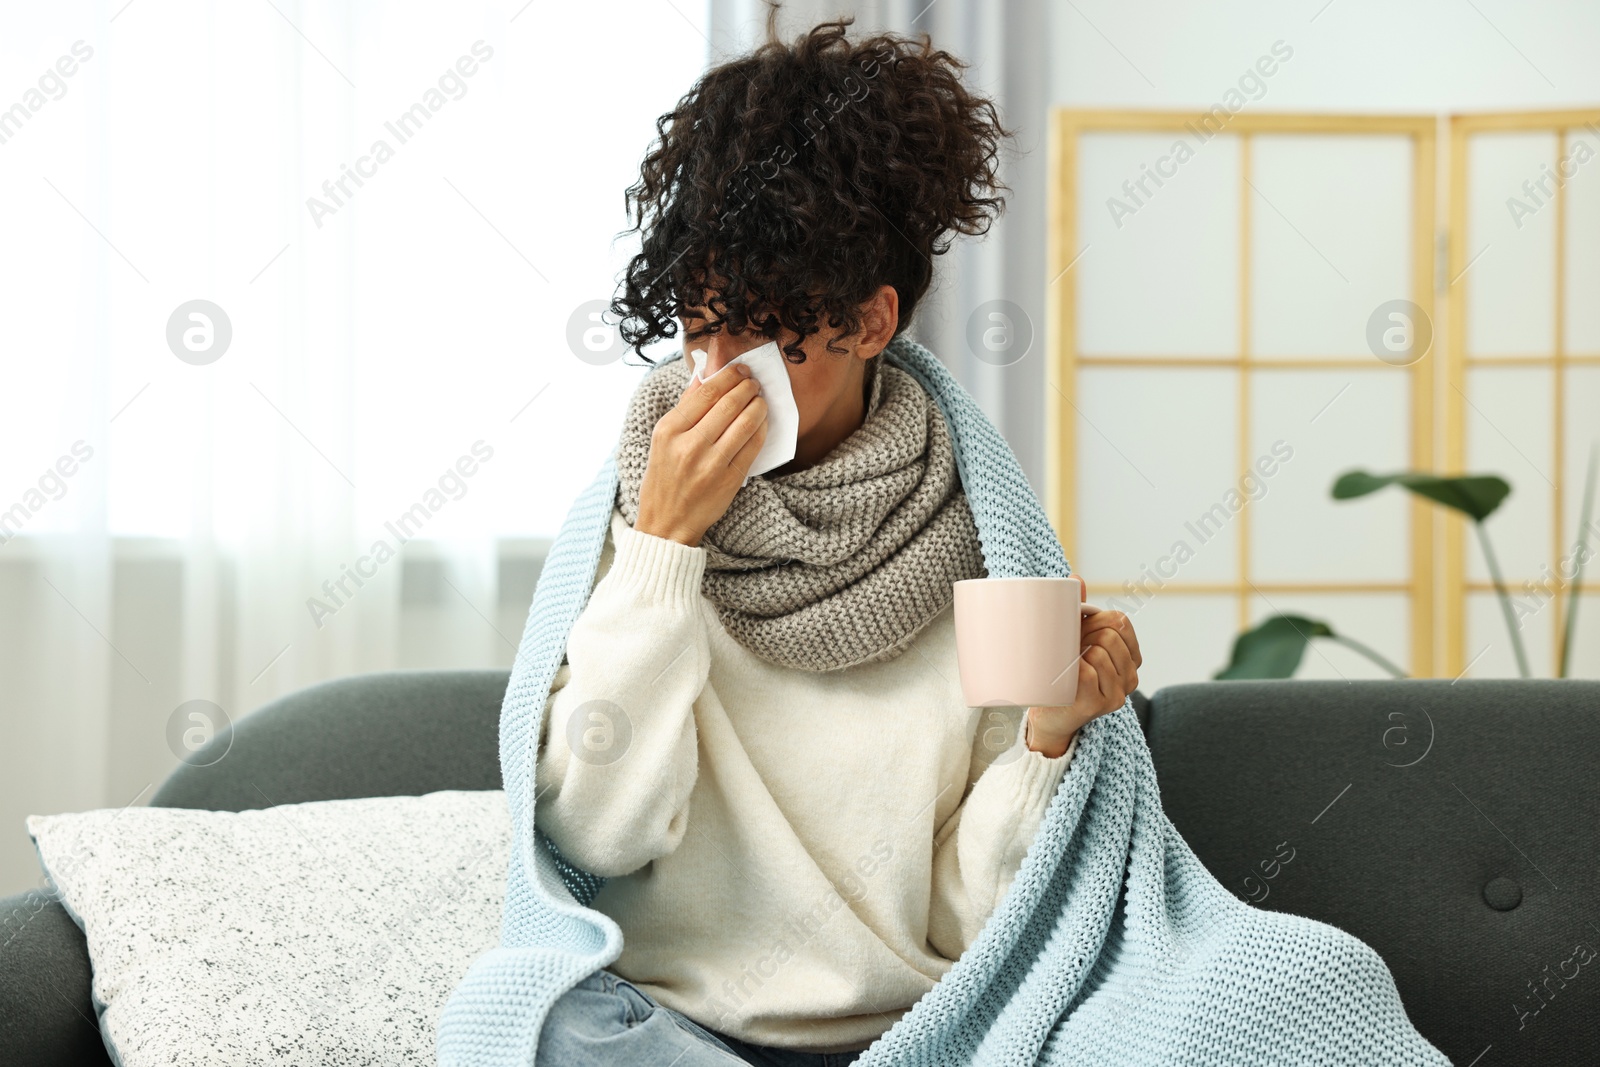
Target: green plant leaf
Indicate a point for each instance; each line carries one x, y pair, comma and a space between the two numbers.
1474, 495
1274, 648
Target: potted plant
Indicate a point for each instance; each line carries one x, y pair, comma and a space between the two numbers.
1274, 648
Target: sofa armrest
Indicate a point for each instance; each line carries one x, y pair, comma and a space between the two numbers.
46, 1017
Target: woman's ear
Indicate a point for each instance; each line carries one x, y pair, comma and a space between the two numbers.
880, 318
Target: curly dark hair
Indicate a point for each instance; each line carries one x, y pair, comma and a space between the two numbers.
796, 180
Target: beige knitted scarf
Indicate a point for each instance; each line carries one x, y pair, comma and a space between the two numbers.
842, 563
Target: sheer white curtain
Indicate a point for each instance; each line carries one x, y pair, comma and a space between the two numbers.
397, 213
1008, 48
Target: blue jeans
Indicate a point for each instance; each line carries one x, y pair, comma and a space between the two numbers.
606, 1020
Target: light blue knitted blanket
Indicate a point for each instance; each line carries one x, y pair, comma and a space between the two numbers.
1112, 946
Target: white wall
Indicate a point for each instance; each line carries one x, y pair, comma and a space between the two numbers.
1350, 55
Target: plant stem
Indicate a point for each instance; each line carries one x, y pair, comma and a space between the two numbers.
1583, 555
1372, 654
1505, 599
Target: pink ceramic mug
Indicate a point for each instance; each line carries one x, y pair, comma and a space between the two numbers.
1018, 640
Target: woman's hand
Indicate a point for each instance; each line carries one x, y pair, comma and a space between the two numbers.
699, 453
1108, 670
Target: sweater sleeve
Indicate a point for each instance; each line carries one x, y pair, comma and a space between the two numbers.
979, 848
617, 748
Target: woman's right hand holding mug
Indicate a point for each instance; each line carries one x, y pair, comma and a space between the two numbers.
699, 454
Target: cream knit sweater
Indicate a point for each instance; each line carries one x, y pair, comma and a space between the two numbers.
794, 857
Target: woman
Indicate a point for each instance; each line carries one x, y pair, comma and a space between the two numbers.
758, 734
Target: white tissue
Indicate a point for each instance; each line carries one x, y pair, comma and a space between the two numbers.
771, 372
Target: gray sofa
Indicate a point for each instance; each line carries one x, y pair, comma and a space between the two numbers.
1453, 827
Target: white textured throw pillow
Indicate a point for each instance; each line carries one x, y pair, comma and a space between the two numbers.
316, 934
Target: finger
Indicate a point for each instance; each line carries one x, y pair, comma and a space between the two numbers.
1119, 622
1131, 638
1101, 620
702, 397
714, 423
1121, 657
1111, 643
1095, 663
750, 425
1106, 673
1088, 681
700, 394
